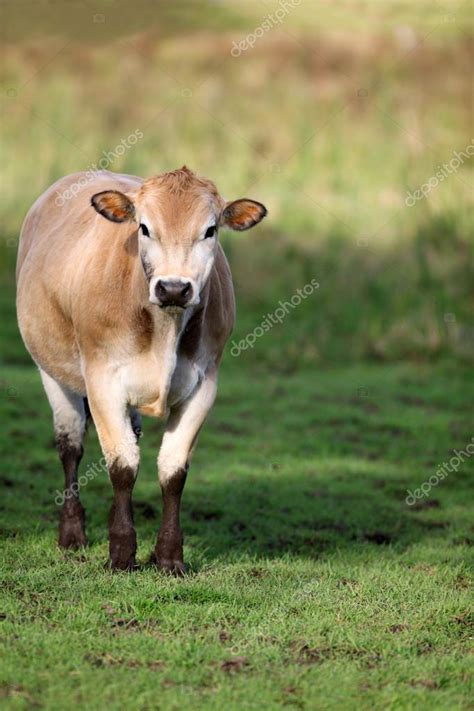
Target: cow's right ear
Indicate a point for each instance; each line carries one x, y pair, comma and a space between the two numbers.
114, 205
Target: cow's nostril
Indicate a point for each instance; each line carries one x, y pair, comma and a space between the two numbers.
185, 291
161, 289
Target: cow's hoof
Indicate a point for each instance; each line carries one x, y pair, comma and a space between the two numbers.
72, 538
72, 528
172, 567
168, 566
122, 549
116, 564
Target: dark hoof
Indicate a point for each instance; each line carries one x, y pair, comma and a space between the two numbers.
122, 549
168, 565
168, 553
127, 565
72, 526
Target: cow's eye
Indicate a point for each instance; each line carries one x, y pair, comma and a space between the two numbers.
144, 230
210, 232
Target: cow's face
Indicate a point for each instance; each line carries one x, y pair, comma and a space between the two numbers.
179, 216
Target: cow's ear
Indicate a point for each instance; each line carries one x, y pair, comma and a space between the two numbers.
243, 214
114, 205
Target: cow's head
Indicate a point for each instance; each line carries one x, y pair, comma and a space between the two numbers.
179, 215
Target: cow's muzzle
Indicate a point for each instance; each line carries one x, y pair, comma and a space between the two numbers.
173, 293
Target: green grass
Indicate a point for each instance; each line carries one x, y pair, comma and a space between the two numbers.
312, 584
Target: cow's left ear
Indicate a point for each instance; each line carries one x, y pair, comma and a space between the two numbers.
243, 214
114, 205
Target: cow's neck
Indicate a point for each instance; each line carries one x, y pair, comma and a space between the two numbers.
159, 331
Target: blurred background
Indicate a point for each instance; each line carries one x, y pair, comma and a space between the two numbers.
333, 114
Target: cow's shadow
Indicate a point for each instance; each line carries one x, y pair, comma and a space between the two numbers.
273, 512
297, 515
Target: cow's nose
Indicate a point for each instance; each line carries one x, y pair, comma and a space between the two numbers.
174, 293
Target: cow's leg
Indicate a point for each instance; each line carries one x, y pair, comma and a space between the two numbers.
178, 442
69, 423
119, 445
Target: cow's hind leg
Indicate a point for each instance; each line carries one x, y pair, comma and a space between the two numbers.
178, 442
69, 424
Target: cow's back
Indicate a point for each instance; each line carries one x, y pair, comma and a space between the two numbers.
63, 213
61, 237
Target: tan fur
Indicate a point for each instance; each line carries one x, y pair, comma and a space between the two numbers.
124, 295
81, 289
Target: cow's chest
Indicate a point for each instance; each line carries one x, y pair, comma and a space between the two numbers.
154, 384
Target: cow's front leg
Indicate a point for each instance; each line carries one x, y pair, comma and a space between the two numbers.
119, 445
178, 442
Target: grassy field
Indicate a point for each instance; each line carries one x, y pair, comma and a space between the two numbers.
313, 584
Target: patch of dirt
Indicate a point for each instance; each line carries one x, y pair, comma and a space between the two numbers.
462, 582
125, 623
426, 683
396, 629
15, 690
236, 664
205, 515
108, 609
431, 525
373, 660
109, 660
347, 582
307, 655
312, 655
378, 537
412, 400
258, 573
426, 504
423, 648
465, 620
291, 697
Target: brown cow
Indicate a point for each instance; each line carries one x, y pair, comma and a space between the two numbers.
125, 297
